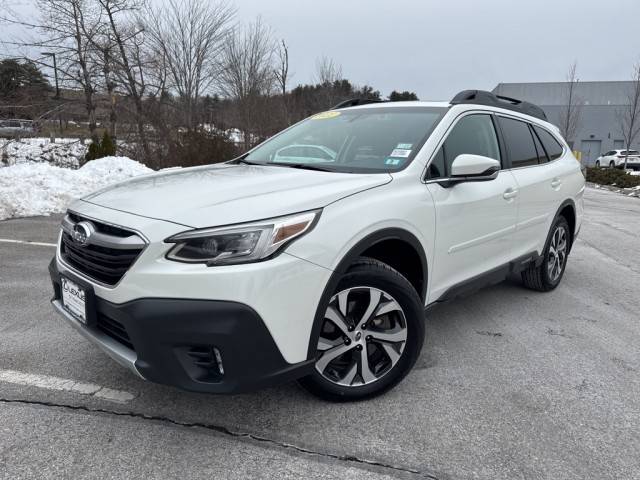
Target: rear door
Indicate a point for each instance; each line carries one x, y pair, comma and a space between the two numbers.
475, 221
539, 177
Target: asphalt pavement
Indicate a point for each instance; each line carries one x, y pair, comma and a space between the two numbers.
511, 384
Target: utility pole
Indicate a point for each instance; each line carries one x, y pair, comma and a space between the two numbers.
55, 70
55, 74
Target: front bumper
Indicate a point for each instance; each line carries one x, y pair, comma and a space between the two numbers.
173, 341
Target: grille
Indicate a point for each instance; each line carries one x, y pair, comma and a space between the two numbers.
114, 329
99, 262
102, 227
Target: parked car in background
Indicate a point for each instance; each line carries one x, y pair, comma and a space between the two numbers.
12, 128
615, 159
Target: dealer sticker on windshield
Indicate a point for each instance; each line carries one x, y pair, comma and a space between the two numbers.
400, 152
393, 161
325, 115
405, 146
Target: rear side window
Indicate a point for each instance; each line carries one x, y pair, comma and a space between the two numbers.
473, 134
542, 155
551, 145
519, 140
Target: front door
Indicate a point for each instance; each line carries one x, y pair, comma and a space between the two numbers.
475, 221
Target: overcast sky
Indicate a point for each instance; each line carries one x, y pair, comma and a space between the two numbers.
439, 47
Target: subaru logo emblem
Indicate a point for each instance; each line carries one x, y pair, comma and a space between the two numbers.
82, 233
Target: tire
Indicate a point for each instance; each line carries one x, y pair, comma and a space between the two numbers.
612, 164
355, 363
547, 276
597, 163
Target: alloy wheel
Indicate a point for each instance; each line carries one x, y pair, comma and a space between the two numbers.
557, 253
363, 335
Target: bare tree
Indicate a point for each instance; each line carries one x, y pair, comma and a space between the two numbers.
66, 29
281, 74
570, 115
329, 77
188, 35
327, 71
629, 115
128, 57
247, 71
105, 50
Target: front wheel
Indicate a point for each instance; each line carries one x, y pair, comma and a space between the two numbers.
547, 275
370, 336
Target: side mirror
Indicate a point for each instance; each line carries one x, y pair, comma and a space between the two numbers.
475, 167
471, 168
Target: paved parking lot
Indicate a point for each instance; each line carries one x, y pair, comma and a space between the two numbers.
511, 384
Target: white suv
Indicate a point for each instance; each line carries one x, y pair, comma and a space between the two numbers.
234, 276
615, 159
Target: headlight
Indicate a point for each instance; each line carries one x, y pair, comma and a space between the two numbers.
243, 243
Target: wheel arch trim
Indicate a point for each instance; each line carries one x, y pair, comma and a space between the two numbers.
348, 259
568, 203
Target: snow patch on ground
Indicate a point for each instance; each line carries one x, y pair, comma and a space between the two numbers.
28, 189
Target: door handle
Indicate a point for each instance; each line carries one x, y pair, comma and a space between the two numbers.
510, 193
556, 182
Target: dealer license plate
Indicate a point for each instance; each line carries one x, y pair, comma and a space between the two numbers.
74, 299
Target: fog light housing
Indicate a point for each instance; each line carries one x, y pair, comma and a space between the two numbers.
202, 363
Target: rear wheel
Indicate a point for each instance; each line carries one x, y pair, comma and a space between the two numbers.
547, 275
597, 163
612, 164
371, 334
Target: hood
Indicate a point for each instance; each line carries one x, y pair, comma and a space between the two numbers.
224, 194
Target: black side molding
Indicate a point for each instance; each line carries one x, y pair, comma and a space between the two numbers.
489, 278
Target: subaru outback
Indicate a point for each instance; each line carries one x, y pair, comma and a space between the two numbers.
313, 267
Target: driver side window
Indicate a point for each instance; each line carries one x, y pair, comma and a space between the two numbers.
474, 134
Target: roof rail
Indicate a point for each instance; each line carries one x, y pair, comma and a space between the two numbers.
481, 97
354, 102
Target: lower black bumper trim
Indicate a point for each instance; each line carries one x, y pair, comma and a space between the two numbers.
162, 329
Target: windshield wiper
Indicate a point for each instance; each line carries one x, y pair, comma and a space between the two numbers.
302, 166
247, 162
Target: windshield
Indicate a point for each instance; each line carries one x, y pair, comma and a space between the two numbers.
356, 141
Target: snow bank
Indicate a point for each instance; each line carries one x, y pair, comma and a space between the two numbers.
28, 189
63, 152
